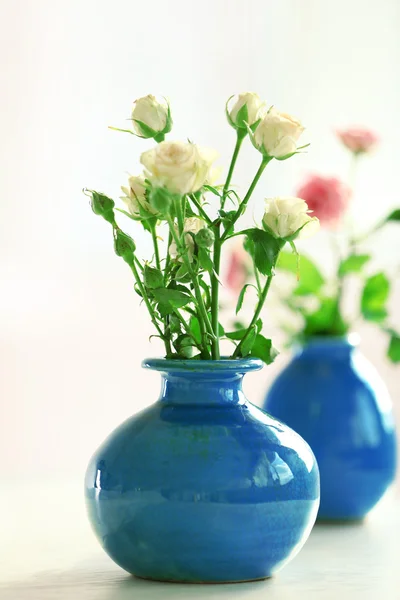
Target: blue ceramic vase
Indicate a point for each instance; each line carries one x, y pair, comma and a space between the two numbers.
333, 397
202, 486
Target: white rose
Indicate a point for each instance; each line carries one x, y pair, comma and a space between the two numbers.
151, 112
191, 225
254, 107
180, 167
288, 217
135, 197
277, 134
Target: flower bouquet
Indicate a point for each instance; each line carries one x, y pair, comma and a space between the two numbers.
180, 282
330, 200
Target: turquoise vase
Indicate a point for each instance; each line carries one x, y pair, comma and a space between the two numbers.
334, 398
202, 486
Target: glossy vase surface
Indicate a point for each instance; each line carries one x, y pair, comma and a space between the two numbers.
202, 486
334, 398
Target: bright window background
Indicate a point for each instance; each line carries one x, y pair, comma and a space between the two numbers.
72, 333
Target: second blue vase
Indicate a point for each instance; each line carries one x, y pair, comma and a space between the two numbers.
334, 398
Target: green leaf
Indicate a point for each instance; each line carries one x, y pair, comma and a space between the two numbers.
228, 116
310, 277
182, 273
393, 216
183, 341
173, 298
227, 218
137, 290
240, 333
195, 330
248, 343
254, 126
241, 296
177, 286
127, 214
160, 199
263, 248
212, 189
236, 335
394, 348
374, 297
206, 289
204, 259
174, 324
263, 348
164, 309
153, 278
236, 198
325, 320
242, 117
353, 263
147, 131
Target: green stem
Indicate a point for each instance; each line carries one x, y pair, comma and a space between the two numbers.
218, 241
191, 272
243, 204
168, 259
239, 139
215, 293
167, 340
257, 276
179, 216
260, 304
203, 320
155, 244
146, 300
139, 264
201, 210
183, 208
187, 329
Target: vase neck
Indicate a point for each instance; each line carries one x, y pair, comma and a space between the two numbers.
192, 382
189, 389
340, 348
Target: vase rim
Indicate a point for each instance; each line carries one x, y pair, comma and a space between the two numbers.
223, 365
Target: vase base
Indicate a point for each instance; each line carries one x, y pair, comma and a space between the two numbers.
203, 582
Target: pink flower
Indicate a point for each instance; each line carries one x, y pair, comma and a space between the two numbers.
327, 197
238, 269
357, 139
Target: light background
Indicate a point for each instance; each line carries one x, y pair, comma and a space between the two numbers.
72, 334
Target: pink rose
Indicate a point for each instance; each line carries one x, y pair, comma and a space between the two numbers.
327, 197
357, 139
238, 269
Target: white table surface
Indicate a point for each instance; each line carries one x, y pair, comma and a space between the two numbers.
47, 550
